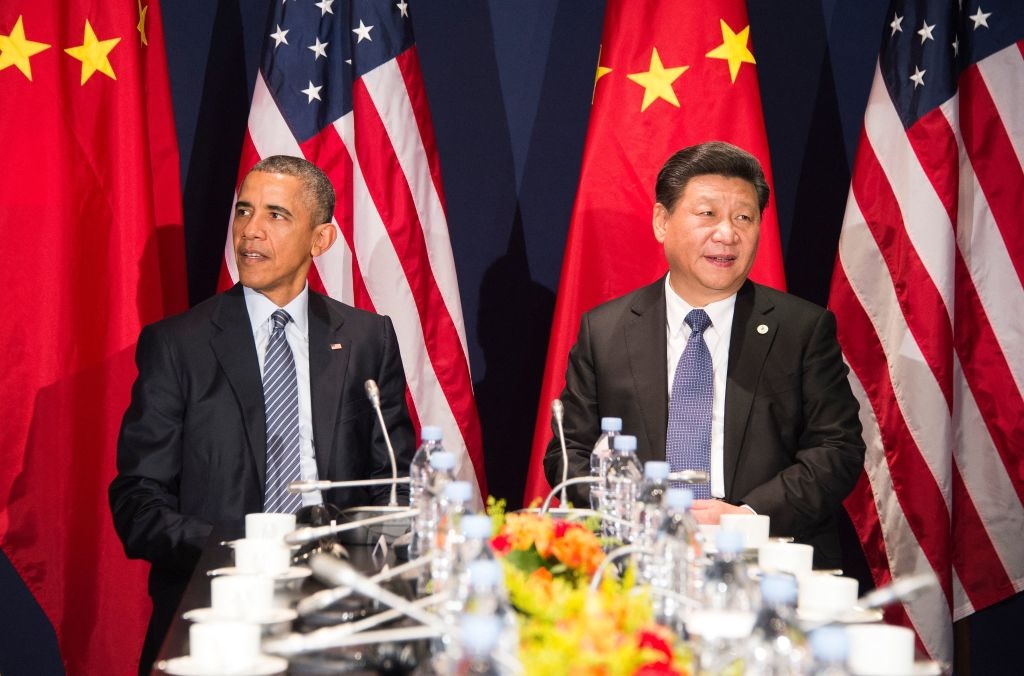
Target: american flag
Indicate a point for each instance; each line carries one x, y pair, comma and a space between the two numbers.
340, 85
928, 295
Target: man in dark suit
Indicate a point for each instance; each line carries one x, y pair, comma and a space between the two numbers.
193, 450
783, 436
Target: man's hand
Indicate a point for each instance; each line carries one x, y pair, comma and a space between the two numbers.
710, 511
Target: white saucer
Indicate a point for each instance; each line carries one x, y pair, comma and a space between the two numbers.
272, 616
186, 666
293, 573
927, 668
855, 615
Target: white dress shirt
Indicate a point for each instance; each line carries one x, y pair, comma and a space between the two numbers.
717, 337
296, 332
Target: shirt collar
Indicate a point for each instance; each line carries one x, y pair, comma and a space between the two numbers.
260, 308
676, 309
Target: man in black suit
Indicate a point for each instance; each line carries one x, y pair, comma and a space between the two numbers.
785, 436
193, 449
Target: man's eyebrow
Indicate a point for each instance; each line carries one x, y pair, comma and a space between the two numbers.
279, 209
242, 203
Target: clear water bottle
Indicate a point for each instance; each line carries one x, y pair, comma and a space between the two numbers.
610, 428
728, 608
831, 648
440, 474
777, 647
621, 489
419, 481
488, 597
454, 505
675, 570
650, 515
479, 637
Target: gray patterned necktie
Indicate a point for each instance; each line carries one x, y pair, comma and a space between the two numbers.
281, 397
688, 437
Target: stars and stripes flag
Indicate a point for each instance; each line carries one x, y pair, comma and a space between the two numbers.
669, 75
340, 85
927, 291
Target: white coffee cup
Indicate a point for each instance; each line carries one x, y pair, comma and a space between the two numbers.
753, 526
268, 525
785, 557
822, 595
880, 650
261, 557
224, 647
241, 596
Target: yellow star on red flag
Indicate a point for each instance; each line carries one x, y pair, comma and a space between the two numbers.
94, 54
733, 49
16, 49
657, 81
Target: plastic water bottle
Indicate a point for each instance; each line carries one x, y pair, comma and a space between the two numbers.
419, 481
622, 487
610, 428
479, 637
777, 647
440, 474
675, 570
728, 607
831, 647
651, 513
454, 504
487, 597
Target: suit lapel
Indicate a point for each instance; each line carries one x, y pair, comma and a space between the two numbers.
646, 347
327, 366
753, 332
236, 352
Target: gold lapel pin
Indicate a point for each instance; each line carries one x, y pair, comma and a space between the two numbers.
335, 346
762, 329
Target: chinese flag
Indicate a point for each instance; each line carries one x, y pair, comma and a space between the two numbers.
90, 210
669, 75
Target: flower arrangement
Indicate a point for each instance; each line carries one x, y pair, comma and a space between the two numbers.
565, 628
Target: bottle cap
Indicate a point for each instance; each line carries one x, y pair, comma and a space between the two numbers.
611, 424
830, 644
729, 541
625, 443
656, 470
431, 433
458, 491
442, 460
486, 573
679, 498
778, 589
479, 634
477, 526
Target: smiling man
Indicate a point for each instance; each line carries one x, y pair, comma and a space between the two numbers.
711, 371
252, 389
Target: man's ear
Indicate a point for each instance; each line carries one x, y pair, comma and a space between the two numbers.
324, 236
660, 222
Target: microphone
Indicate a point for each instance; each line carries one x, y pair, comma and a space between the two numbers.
558, 413
301, 536
337, 572
373, 392
326, 597
900, 589
320, 484
688, 476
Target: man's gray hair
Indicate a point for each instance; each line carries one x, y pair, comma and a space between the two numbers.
319, 193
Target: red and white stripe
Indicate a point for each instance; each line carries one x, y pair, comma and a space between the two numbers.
394, 255
928, 295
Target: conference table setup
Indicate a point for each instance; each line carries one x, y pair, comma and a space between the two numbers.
437, 589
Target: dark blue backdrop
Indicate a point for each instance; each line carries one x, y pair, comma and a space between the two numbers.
509, 84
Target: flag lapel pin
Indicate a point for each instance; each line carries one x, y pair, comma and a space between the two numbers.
335, 346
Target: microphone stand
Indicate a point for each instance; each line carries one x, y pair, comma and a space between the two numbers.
325, 597
558, 412
373, 392
301, 536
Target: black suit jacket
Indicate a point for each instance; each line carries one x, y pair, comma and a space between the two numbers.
192, 450
792, 447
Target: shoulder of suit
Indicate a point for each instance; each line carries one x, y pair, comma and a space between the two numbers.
786, 302
637, 299
344, 310
190, 320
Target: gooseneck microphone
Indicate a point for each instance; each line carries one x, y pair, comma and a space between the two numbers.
373, 392
301, 536
558, 412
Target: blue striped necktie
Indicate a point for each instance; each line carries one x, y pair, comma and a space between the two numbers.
281, 397
688, 437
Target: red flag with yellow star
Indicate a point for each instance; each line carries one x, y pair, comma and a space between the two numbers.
90, 209
669, 75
